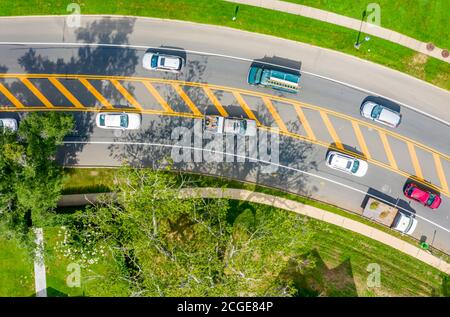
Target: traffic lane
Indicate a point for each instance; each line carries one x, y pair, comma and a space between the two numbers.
295, 154
213, 70
286, 179
177, 34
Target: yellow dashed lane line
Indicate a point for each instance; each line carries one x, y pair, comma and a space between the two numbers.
66, 93
304, 122
36, 92
186, 99
245, 107
126, 94
215, 101
275, 114
96, 93
331, 130
440, 172
11, 97
157, 96
361, 141
415, 160
387, 149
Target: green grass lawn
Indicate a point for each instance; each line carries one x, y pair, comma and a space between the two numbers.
16, 269
256, 20
349, 255
58, 270
423, 20
88, 180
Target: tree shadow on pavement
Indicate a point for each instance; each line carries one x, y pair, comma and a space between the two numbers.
94, 60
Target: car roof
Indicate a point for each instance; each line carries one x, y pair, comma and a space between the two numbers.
113, 119
420, 194
340, 161
170, 61
390, 116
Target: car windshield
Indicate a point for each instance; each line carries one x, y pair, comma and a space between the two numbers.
123, 120
431, 199
410, 191
355, 166
376, 111
102, 119
154, 62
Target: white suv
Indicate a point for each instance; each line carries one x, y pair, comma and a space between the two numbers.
346, 164
116, 120
156, 61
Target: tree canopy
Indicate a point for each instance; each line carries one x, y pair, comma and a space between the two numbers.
171, 246
30, 179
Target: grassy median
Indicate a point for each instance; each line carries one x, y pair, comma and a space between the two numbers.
256, 20
423, 20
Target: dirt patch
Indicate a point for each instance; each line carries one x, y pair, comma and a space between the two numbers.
417, 64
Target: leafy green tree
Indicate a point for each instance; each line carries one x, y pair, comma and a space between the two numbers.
30, 179
165, 245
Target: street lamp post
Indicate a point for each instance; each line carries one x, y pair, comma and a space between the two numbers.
358, 43
235, 13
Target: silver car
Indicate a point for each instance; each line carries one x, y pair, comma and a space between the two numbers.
381, 114
156, 61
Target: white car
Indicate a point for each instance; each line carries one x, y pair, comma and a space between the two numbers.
156, 61
381, 114
404, 223
117, 120
8, 124
346, 163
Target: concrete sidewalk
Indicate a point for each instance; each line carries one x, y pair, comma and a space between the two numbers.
347, 22
40, 280
290, 205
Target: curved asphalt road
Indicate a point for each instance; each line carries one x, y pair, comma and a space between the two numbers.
109, 148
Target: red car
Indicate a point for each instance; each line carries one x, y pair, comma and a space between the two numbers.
422, 196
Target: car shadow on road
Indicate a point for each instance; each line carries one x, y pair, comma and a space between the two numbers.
354, 150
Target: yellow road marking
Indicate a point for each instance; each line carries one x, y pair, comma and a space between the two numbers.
190, 115
245, 107
126, 94
66, 92
11, 97
186, 99
331, 130
440, 172
383, 132
36, 92
304, 122
157, 96
387, 149
275, 114
414, 160
230, 89
361, 141
95, 92
215, 101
